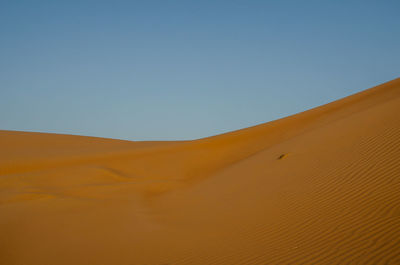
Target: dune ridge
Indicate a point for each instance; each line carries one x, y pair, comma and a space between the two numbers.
318, 187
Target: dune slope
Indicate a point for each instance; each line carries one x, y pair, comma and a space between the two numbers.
318, 187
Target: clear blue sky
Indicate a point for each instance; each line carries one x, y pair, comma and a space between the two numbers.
163, 70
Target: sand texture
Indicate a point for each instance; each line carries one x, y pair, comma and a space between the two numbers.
318, 187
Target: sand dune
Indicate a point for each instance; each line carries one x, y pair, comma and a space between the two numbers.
318, 187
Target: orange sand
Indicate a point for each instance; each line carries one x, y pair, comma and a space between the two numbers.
319, 187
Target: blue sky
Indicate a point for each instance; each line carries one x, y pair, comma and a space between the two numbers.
164, 70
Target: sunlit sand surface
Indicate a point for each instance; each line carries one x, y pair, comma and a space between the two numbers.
319, 187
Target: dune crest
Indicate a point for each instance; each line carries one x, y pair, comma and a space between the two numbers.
318, 187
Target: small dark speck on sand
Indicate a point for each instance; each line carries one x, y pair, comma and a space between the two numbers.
282, 156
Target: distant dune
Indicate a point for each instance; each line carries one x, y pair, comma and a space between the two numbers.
318, 187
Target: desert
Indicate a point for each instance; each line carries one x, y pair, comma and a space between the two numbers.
318, 187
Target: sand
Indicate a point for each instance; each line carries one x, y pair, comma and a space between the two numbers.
318, 187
